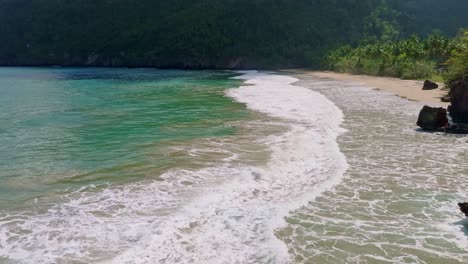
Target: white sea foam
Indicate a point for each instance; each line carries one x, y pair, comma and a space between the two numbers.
398, 202
228, 214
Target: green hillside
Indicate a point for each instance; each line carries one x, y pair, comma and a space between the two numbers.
208, 33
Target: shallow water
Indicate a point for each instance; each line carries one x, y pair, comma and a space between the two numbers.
67, 128
398, 200
204, 171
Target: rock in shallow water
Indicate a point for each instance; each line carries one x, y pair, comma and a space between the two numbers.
464, 208
432, 118
456, 129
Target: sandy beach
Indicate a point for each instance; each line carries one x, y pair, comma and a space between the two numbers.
408, 89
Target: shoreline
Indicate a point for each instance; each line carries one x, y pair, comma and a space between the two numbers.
410, 90
407, 89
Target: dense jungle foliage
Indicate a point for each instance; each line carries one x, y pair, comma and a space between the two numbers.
210, 33
457, 64
412, 58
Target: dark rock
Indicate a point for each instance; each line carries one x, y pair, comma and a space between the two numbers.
456, 129
428, 85
446, 98
459, 100
464, 208
432, 118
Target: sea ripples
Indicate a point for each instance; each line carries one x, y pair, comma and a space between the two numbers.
398, 201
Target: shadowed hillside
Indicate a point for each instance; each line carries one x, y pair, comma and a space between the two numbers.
205, 33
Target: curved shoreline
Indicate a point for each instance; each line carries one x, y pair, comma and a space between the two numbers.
407, 89
394, 171
220, 212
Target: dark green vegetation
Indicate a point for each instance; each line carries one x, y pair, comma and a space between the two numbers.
209, 33
409, 40
457, 64
412, 58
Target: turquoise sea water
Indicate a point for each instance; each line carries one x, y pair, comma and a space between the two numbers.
66, 128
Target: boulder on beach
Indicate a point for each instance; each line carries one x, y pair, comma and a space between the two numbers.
428, 85
464, 208
432, 118
459, 100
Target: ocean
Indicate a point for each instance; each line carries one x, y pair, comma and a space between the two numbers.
117, 165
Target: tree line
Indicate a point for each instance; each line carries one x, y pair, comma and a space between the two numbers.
209, 33
414, 58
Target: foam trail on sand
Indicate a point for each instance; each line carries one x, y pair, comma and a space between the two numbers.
228, 215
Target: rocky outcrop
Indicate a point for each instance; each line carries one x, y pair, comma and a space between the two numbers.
436, 119
459, 100
432, 118
428, 85
464, 208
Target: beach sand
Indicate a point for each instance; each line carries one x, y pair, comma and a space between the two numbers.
408, 89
